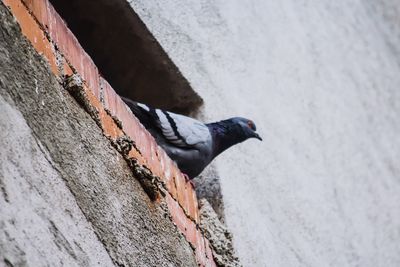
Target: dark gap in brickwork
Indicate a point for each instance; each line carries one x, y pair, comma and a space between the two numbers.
127, 55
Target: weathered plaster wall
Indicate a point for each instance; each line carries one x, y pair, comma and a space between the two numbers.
67, 196
321, 79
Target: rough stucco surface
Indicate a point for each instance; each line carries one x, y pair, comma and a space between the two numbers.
218, 235
67, 197
321, 80
36, 207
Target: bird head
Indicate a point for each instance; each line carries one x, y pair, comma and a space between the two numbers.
245, 128
230, 132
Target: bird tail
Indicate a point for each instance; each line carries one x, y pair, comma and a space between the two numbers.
132, 105
141, 111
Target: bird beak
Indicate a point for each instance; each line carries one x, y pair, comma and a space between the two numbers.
257, 136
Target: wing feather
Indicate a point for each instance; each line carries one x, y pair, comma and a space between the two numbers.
177, 129
181, 130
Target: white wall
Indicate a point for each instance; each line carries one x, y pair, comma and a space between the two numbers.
321, 79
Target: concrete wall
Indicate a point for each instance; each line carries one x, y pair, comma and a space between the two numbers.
67, 197
321, 80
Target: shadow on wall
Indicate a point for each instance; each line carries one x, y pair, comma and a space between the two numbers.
127, 54
208, 186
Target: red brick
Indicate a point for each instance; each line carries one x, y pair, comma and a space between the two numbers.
61, 35
200, 251
191, 234
133, 153
67, 70
172, 188
178, 216
174, 172
117, 108
193, 206
209, 256
110, 100
132, 129
186, 195
194, 236
130, 123
153, 160
143, 139
39, 8
188, 198
107, 89
180, 184
167, 172
143, 144
90, 73
110, 128
33, 32
163, 164
120, 109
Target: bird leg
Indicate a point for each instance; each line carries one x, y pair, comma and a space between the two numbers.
187, 179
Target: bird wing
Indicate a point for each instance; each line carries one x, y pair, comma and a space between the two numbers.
179, 130
182, 131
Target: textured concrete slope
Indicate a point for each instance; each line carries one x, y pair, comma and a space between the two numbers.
41, 223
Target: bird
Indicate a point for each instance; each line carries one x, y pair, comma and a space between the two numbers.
192, 144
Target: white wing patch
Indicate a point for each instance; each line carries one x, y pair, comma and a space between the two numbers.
143, 106
167, 129
182, 131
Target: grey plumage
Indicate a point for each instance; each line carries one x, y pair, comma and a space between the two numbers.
189, 142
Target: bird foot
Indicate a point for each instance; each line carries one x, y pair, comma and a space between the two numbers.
187, 179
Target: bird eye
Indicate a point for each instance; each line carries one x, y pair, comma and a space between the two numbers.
250, 124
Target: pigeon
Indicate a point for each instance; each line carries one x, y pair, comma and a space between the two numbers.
189, 142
